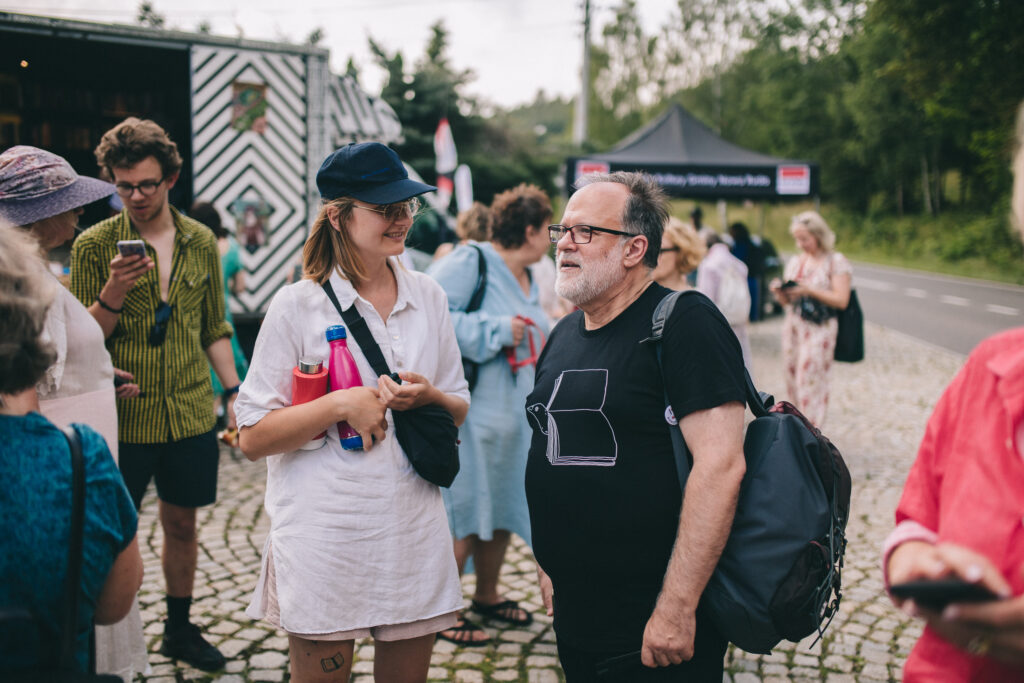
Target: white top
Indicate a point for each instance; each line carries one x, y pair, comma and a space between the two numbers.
358, 538
709, 278
79, 386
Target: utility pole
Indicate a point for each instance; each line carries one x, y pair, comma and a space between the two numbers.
583, 101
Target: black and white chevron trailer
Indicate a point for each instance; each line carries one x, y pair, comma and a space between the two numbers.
253, 120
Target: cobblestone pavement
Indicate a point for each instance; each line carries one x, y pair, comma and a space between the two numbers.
878, 412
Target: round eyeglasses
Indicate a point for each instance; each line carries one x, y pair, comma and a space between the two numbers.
580, 234
395, 212
146, 188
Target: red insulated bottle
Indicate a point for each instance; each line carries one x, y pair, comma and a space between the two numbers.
309, 382
343, 373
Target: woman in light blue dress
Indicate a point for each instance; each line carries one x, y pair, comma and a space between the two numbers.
487, 501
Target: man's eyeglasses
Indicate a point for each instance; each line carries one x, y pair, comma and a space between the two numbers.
394, 212
580, 234
162, 316
146, 188
666, 249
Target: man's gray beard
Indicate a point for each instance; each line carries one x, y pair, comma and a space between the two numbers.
591, 281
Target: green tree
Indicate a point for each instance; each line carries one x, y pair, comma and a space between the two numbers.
622, 87
148, 16
963, 63
433, 89
315, 36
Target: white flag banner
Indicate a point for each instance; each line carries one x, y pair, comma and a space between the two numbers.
444, 149
463, 188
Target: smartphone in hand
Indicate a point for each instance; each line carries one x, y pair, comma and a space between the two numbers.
936, 594
788, 284
132, 248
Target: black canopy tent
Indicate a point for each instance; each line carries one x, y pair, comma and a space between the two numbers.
691, 161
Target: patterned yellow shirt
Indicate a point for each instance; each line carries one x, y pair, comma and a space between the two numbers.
175, 377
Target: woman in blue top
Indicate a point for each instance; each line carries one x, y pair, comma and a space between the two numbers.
487, 501
35, 499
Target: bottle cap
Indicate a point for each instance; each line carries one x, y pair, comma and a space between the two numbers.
336, 332
352, 443
310, 365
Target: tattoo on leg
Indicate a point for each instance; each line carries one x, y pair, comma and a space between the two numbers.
329, 664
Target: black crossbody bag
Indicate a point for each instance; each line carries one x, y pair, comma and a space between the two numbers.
65, 670
427, 434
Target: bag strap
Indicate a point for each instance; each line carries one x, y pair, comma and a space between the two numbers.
69, 624
360, 331
480, 288
758, 401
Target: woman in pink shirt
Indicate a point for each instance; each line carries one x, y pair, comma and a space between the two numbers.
962, 511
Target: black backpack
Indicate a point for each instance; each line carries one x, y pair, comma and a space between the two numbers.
779, 576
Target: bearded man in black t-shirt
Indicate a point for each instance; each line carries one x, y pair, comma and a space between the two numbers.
622, 556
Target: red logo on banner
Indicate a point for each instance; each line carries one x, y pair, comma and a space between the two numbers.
795, 179
586, 167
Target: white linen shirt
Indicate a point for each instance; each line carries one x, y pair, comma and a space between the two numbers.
358, 539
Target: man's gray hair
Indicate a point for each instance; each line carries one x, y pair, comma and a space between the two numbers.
646, 210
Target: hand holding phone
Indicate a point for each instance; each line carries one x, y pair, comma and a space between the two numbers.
936, 594
788, 284
131, 248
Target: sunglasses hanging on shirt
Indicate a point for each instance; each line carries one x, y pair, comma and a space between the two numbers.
162, 318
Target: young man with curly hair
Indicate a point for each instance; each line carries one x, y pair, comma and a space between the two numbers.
163, 316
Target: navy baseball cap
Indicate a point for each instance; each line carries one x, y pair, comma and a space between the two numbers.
367, 171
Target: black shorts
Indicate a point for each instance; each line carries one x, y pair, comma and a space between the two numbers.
185, 470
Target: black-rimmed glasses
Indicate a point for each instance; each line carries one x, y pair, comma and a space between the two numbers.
667, 249
580, 234
146, 188
394, 212
162, 316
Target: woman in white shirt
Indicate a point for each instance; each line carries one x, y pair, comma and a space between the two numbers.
359, 543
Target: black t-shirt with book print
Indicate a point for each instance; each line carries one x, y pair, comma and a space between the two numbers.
601, 479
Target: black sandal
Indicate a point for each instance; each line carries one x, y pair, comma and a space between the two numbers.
503, 611
463, 634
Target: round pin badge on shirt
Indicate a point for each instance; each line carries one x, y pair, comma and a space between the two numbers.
670, 417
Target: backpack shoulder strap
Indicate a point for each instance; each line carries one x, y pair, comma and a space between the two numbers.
658, 319
481, 281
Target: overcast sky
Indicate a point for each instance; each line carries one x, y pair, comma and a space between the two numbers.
513, 46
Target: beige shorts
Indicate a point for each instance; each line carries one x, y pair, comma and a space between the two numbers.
384, 632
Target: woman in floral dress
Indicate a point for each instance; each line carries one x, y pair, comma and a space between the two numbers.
817, 285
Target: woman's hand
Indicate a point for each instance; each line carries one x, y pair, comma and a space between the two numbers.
994, 628
784, 295
364, 410
128, 389
518, 330
415, 391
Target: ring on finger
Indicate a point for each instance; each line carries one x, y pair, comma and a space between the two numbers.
979, 645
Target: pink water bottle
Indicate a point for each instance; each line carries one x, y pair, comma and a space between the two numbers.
343, 373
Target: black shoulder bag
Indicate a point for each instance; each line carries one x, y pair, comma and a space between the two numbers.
65, 670
427, 434
470, 368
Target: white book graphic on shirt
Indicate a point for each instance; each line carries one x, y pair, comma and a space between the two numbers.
578, 431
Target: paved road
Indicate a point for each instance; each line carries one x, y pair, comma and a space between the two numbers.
950, 312
877, 431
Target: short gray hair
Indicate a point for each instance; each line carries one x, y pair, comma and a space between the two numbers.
646, 210
26, 290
